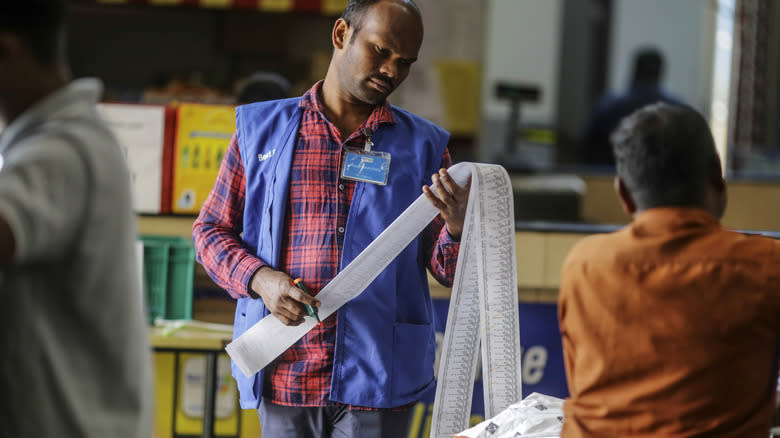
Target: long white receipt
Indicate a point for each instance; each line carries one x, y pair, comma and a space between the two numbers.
484, 295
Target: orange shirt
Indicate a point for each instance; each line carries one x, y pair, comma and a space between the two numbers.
670, 328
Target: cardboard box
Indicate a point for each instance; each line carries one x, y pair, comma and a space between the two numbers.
145, 134
202, 136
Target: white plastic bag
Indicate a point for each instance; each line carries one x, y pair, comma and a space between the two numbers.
536, 416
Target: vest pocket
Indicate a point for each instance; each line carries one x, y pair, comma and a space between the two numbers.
248, 312
413, 354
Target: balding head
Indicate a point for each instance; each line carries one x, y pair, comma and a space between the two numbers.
356, 10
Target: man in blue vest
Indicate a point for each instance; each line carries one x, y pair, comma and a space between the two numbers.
288, 204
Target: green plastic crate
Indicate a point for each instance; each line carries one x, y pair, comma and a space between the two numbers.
180, 274
155, 278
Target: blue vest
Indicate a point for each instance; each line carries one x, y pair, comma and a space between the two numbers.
385, 343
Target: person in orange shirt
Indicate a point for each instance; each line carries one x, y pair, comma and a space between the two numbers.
670, 325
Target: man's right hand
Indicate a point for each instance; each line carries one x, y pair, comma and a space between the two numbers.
280, 296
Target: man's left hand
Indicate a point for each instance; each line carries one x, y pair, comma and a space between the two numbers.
451, 200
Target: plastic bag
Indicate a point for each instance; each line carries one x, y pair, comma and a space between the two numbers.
536, 416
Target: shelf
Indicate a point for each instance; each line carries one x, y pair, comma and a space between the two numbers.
180, 226
322, 7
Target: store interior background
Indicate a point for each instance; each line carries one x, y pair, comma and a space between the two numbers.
570, 50
722, 57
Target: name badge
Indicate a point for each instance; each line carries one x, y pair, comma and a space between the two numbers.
367, 166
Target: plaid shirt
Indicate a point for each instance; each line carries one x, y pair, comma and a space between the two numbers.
315, 221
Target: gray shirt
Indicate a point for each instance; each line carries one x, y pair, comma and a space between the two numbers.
74, 353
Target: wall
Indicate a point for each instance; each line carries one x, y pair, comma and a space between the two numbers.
522, 39
683, 30
454, 35
522, 45
582, 76
751, 205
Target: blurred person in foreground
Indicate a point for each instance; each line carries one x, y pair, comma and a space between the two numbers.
283, 208
670, 325
74, 353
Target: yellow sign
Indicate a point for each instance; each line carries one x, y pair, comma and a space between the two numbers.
203, 133
333, 7
459, 87
215, 3
276, 5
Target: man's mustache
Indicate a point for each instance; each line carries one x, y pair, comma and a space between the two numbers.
389, 82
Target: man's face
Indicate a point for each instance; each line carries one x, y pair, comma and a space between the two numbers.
18, 70
7, 73
376, 59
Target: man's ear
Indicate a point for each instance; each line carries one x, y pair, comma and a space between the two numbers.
718, 189
340, 33
626, 200
8, 44
12, 49
716, 177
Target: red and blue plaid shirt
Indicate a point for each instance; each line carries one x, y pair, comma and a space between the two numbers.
315, 220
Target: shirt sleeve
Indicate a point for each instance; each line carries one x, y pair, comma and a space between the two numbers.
441, 250
44, 187
217, 230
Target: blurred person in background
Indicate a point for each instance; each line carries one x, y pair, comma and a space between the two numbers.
670, 325
74, 353
645, 88
262, 86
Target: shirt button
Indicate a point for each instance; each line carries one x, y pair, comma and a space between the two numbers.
341, 230
341, 187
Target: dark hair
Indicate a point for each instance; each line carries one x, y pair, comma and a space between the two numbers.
664, 154
39, 23
648, 66
356, 10
264, 86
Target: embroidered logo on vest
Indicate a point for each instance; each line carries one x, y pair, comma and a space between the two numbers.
265, 156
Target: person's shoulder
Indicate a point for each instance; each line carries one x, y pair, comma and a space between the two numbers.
85, 132
751, 244
671, 98
406, 118
269, 106
270, 114
606, 101
594, 247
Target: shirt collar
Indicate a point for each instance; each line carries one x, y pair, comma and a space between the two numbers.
381, 114
663, 220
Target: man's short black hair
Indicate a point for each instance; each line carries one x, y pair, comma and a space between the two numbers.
665, 155
356, 9
263, 86
39, 23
